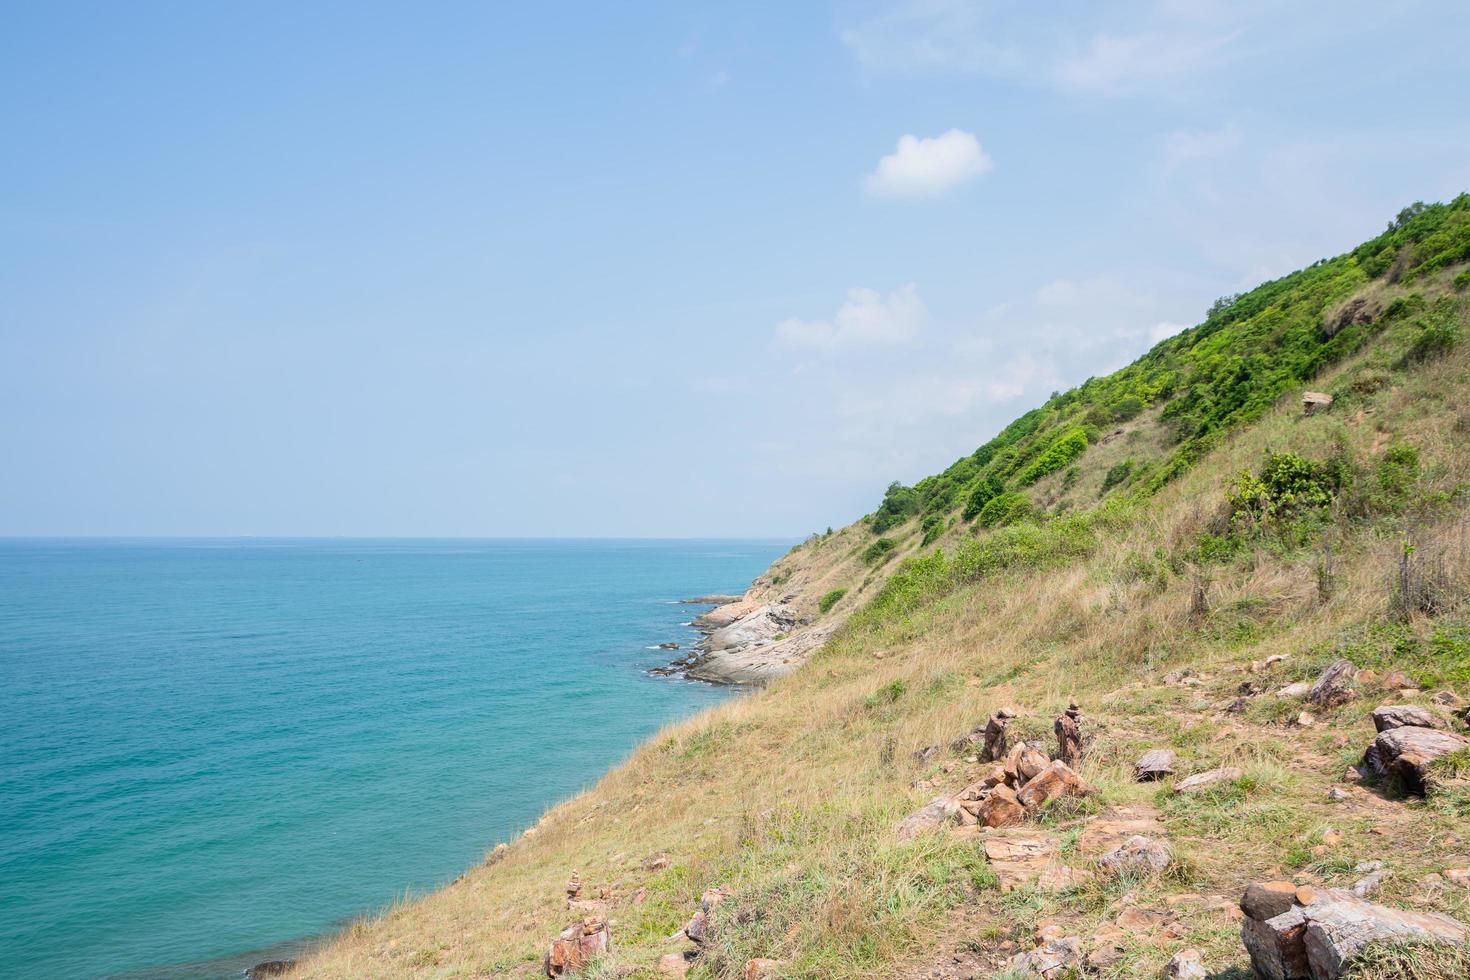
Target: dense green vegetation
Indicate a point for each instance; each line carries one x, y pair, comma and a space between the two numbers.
1220, 374
825, 604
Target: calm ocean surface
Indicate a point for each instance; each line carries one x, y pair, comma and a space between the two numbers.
211, 747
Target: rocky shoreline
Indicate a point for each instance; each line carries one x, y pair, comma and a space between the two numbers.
746, 641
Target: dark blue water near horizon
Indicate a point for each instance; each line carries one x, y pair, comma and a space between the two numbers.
211, 747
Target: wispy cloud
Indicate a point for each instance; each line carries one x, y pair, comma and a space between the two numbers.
929, 166
866, 319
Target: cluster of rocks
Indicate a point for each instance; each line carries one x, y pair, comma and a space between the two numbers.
1022, 779
1059, 955
575, 947
1303, 933
698, 933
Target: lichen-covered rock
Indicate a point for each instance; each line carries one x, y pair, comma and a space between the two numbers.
1388, 716
1320, 937
1335, 686
1185, 965
1409, 752
1055, 958
1137, 853
1209, 779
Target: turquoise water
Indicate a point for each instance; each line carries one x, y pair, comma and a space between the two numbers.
211, 747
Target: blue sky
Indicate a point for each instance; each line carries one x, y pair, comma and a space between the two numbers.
641, 268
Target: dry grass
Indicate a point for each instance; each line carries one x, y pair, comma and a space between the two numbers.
789, 796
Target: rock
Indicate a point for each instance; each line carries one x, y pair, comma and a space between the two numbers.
673, 965
1267, 899
1339, 795
1315, 401
1388, 716
657, 863
1320, 939
1054, 959
1134, 919
1334, 687
1200, 782
1396, 680
1369, 885
1054, 782
498, 853
1185, 965
1069, 736
1016, 859
270, 968
1448, 699
1408, 752
1304, 720
1136, 854
1238, 706
574, 948
1000, 808
924, 754
995, 736
1332, 837
1062, 878
574, 885
1458, 876
761, 969
1106, 832
1023, 763
1298, 690
1154, 764
931, 816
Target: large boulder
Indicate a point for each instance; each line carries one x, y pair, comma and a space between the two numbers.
1320, 939
999, 808
1023, 763
1409, 752
1054, 782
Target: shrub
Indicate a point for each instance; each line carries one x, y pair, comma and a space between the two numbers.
899, 504
1063, 450
1438, 334
879, 551
1398, 472
1288, 487
1117, 473
1462, 281
1009, 508
825, 604
986, 490
933, 527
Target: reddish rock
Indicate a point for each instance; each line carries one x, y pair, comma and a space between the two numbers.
1000, 808
1409, 752
994, 748
1069, 736
1054, 782
1265, 899
1388, 716
574, 948
1023, 763
761, 969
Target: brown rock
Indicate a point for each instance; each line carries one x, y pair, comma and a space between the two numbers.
1135, 919
1056, 781
995, 736
673, 965
574, 948
762, 969
1404, 715
1335, 686
1000, 808
929, 817
1023, 763
1266, 899
1154, 764
1396, 680
1069, 736
1062, 878
1213, 778
1017, 860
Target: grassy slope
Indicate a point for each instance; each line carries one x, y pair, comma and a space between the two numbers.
789, 796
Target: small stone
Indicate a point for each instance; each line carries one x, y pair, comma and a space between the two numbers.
1369, 885
1397, 680
761, 969
1304, 720
673, 965
1053, 960
1334, 687
1458, 876
1154, 764
1338, 794
1332, 837
1137, 853
1298, 690
1185, 965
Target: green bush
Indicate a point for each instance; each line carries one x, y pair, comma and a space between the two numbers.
1438, 334
986, 490
1462, 282
899, 504
1009, 508
1289, 487
1117, 474
933, 527
879, 551
825, 604
1064, 450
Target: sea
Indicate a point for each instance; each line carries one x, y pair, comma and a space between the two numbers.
212, 751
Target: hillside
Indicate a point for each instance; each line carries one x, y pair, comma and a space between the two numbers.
1180, 548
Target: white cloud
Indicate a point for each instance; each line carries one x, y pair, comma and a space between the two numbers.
1110, 49
1188, 145
1164, 330
928, 167
1112, 65
867, 318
